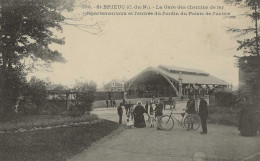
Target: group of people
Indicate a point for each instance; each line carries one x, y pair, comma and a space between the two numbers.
112, 103
203, 112
136, 114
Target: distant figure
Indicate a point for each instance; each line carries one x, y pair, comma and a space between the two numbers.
138, 115
190, 109
146, 106
114, 103
120, 113
173, 103
159, 114
127, 108
124, 102
153, 100
203, 113
107, 103
170, 102
111, 102
151, 109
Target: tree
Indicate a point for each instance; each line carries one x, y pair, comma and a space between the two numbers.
37, 91
85, 95
250, 45
25, 37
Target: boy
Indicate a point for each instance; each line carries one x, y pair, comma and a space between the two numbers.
120, 113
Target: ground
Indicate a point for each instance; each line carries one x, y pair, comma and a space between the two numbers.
222, 143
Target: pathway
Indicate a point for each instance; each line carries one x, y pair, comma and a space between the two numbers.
222, 143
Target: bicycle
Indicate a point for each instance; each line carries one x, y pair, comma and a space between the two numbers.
188, 121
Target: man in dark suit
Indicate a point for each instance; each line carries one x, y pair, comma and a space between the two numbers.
203, 113
120, 113
159, 114
190, 109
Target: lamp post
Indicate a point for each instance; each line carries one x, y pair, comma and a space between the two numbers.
196, 97
180, 84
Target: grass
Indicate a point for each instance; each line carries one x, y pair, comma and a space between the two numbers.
56, 144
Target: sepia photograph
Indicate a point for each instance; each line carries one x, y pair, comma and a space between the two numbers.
129, 80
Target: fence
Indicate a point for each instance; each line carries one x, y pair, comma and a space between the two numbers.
109, 95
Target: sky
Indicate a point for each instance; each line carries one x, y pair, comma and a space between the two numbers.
129, 44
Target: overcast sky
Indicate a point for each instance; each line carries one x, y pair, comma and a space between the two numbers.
128, 45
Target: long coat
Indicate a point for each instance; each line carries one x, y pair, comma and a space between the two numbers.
247, 122
190, 107
159, 109
138, 116
203, 109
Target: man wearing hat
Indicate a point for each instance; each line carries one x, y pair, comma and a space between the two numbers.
190, 109
203, 113
159, 114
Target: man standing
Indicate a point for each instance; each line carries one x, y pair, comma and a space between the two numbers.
173, 104
190, 109
170, 102
203, 113
120, 113
107, 103
111, 102
159, 114
124, 101
114, 103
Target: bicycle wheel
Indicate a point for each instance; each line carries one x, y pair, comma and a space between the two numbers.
192, 122
167, 122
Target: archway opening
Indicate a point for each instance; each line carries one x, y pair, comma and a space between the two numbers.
151, 83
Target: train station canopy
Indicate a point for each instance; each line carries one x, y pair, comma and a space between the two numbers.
185, 75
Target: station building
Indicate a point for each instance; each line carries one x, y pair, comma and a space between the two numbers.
166, 81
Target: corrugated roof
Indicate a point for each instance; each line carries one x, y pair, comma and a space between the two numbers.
193, 79
180, 69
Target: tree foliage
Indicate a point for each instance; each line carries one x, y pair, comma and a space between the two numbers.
37, 90
85, 95
27, 30
226, 99
250, 45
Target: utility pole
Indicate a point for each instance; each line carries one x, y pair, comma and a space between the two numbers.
180, 84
